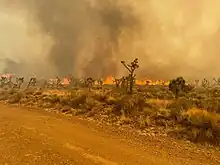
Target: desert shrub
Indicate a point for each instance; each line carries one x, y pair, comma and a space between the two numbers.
194, 115
211, 104
64, 100
147, 111
129, 104
203, 125
202, 118
125, 103
91, 103
4, 95
100, 95
78, 99
15, 98
158, 103
164, 113
208, 103
156, 92
12, 91
159, 116
179, 105
29, 91
143, 122
52, 98
111, 100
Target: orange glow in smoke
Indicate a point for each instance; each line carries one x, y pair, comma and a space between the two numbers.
65, 81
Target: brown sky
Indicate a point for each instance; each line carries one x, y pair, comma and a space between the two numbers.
90, 37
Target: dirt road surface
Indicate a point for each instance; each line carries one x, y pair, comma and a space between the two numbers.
36, 137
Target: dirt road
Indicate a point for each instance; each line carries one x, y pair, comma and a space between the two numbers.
36, 137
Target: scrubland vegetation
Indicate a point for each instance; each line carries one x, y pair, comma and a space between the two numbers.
194, 115
180, 110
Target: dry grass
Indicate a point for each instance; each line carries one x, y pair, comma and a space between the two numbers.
159, 103
201, 117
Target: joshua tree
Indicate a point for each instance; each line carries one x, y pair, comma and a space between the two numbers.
216, 81
73, 81
45, 84
70, 79
100, 82
19, 82
178, 85
89, 83
123, 82
6, 81
205, 83
117, 82
131, 68
196, 83
32, 82
58, 82
3, 81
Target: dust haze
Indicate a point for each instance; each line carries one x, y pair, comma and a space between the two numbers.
91, 37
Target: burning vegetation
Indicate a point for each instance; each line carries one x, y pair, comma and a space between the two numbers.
187, 110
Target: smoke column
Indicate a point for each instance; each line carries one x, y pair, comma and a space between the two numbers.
91, 37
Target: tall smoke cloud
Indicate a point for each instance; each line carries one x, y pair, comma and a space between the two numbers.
91, 37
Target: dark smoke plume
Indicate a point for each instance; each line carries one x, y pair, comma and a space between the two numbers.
85, 33
91, 37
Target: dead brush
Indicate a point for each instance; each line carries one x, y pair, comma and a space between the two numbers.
202, 125
202, 118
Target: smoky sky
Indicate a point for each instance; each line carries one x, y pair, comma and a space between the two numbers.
85, 33
90, 37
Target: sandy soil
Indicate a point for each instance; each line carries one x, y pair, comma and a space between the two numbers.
37, 137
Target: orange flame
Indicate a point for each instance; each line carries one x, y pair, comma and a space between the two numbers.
110, 80
140, 82
65, 81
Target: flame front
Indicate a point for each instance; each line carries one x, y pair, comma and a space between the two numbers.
110, 80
